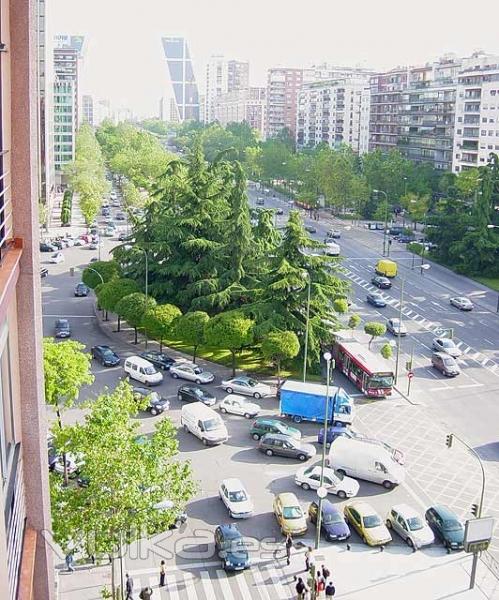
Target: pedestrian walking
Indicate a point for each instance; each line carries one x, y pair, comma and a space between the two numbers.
69, 562
320, 585
145, 593
289, 545
129, 587
326, 573
300, 588
330, 590
309, 558
162, 573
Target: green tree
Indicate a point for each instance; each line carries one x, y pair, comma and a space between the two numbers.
382, 212
232, 331
278, 346
158, 321
340, 305
133, 307
468, 182
130, 476
374, 329
190, 329
111, 292
386, 351
100, 272
354, 321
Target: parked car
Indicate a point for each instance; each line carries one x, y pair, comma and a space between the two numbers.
405, 239
336, 431
289, 514
44, 272
381, 282
332, 433
335, 234
396, 327
56, 258
368, 524
237, 405
331, 248
333, 522
309, 478
158, 359
142, 370
193, 393
236, 499
410, 526
62, 328
231, 548
203, 422
46, 247
156, 404
265, 425
260, 201
283, 445
446, 526
462, 303
122, 236
81, 290
445, 364
279, 211
191, 372
247, 386
310, 228
376, 299
120, 216
105, 355
447, 346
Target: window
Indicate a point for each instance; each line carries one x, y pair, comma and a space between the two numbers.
7, 432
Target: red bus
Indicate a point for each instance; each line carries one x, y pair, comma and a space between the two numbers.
369, 372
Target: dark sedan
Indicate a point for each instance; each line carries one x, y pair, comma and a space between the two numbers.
62, 328
193, 393
45, 247
333, 523
44, 272
231, 548
105, 355
376, 300
81, 290
332, 433
310, 229
156, 404
158, 359
446, 525
381, 282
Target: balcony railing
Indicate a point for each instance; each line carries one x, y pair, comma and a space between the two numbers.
6, 226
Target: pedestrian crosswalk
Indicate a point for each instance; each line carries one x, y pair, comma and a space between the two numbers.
260, 582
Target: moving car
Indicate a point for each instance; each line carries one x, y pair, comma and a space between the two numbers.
335, 234
109, 231
237, 405
396, 327
62, 328
332, 249
462, 303
386, 267
309, 478
405, 239
46, 247
105, 355
410, 526
264, 425
368, 524
81, 290
446, 526
231, 548
282, 445
247, 386
192, 393
260, 201
235, 497
447, 346
445, 364
289, 514
120, 216
333, 522
142, 370
44, 272
156, 405
279, 211
56, 258
310, 229
191, 372
203, 422
376, 299
381, 282
158, 359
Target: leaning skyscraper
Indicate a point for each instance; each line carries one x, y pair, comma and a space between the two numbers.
184, 90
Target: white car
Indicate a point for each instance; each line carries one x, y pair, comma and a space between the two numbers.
191, 372
235, 497
411, 527
446, 345
57, 258
247, 386
332, 249
462, 303
396, 327
309, 478
237, 405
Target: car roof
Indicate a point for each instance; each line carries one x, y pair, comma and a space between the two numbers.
142, 390
235, 397
278, 436
62, 322
444, 511
233, 484
230, 531
405, 510
329, 507
364, 508
288, 499
103, 346
268, 420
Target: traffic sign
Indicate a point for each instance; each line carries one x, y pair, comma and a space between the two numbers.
410, 375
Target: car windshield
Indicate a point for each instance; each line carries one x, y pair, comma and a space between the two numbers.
237, 546
452, 525
380, 380
449, 362
149, 370
238, 496
198, 370
447, 343
292, 512
107, 352
250, 382
372, 521
331, 518
154, 397
395, 322
62, 324
339, 475
210, 424
415, 523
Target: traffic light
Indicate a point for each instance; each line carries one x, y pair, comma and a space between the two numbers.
408, 365
448, 440
474, 510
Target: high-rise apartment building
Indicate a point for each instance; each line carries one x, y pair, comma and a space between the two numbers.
67, 54
223, 76
87, 109
282, 90
184, 90
334, 112
477, 113
247, 105
26, 569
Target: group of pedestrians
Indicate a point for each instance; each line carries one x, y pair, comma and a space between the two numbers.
146, 592
318, 581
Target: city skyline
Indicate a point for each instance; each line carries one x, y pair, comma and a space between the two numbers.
134, 48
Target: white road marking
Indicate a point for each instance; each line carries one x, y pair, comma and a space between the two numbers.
224, 583
171, 587
440, 389
207, 586
484, 362
470, 385
242, 584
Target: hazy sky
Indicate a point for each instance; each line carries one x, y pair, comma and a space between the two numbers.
124, 58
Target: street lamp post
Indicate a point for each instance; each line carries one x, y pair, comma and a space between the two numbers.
386, 218
305, 354
400, 325
147, 287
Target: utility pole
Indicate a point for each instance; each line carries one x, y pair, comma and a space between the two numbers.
400, 325
306, 328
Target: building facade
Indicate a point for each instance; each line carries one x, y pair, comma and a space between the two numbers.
87, 109
477, 113
184, 90
223, 76
282, 93
248, 105
26, 569
334, 112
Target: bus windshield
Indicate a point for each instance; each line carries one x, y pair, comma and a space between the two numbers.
380, 380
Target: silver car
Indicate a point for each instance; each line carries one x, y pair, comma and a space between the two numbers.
462, 303
396, 327
191, 372
247, 386
410, 526
446, 345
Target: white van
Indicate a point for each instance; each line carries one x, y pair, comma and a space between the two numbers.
203, 422
142, 370
365, 460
